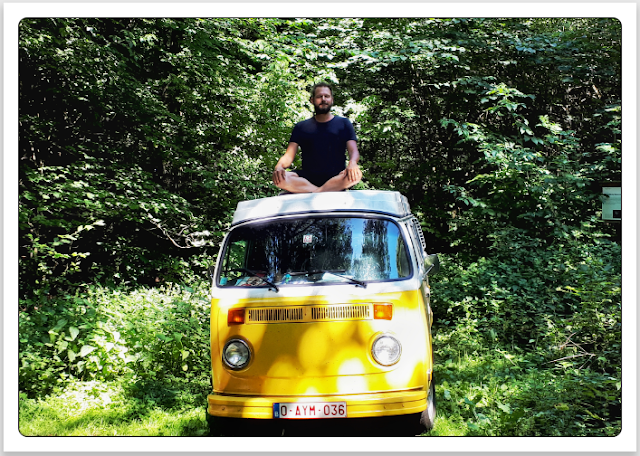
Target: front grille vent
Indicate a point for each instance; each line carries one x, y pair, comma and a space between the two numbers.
275, 314
332, 312
348, 312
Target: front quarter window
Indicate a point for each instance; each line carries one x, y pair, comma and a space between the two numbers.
314, 251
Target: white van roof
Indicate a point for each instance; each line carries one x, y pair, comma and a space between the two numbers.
373, 201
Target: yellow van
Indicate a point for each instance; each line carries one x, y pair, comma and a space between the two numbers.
320, 310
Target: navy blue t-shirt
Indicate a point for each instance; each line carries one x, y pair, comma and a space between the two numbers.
323, 147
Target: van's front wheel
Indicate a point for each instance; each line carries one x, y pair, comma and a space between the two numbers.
428, 416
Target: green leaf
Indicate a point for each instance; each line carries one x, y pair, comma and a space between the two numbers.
73, 332
504, 407
86, 349
60, 324
473, 427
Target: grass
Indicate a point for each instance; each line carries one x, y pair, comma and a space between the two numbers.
108, 409
451, 426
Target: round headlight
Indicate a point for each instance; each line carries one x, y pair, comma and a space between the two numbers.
236, 354
386, 350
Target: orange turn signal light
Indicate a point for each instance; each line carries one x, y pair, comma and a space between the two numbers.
383, 311
235, 317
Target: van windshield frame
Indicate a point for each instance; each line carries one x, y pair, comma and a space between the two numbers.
315, 250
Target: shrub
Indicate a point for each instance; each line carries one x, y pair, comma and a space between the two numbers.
106, 334
561, 299
528, 341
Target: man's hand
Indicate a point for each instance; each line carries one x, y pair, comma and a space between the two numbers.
278, 175
353, 172
285, 161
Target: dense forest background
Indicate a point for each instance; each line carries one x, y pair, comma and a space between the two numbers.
139, 136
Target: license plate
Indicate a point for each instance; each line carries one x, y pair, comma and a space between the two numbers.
309, 410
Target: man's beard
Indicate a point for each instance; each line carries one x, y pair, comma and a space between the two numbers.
322, 109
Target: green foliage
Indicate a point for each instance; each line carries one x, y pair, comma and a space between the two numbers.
528, 341
525, 100
542, 299
145, 335
528, 181
129, 127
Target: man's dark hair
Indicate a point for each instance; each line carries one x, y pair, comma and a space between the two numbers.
320, 84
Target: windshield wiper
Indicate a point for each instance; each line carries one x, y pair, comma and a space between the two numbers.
338, 273
254, 274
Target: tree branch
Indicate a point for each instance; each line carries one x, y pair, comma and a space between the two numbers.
168, 236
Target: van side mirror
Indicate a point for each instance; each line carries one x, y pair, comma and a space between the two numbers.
432, 264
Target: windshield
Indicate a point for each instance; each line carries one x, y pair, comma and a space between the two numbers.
314, 250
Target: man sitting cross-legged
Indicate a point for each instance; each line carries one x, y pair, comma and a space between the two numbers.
323, 140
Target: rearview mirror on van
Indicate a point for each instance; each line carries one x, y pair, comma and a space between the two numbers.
432, 264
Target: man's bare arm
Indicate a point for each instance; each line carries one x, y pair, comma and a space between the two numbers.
285, 161
353, 170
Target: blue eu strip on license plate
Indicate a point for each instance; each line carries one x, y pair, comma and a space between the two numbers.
309, 410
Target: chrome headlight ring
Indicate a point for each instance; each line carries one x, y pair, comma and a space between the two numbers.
386, 349
236, 354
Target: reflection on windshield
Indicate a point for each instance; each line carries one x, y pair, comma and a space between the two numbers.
314, 250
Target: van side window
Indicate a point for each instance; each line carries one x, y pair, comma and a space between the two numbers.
404, 268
